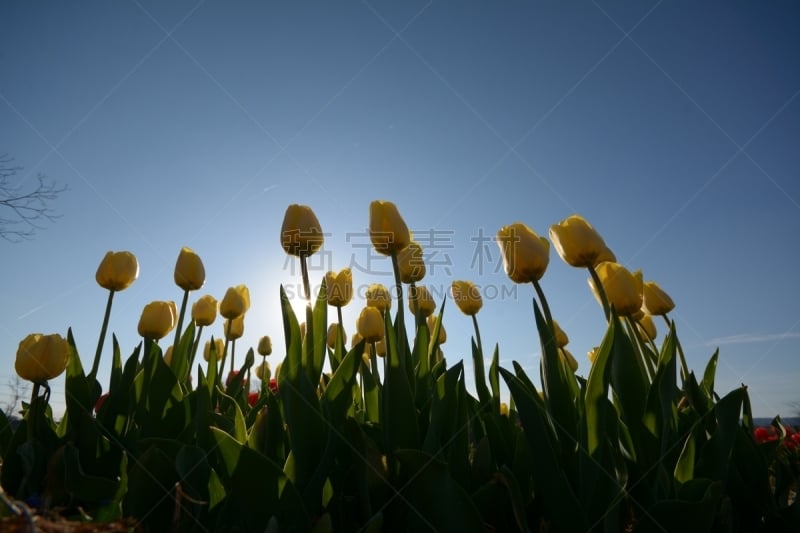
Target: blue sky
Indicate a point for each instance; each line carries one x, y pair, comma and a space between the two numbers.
672, 127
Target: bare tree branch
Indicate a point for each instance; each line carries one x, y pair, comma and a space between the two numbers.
23, 212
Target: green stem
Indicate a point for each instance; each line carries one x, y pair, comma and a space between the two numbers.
195, 346
306, 286
224, 353
373, 362
545, 307
179, 327
400, 328
477, 335
101, 340
233, 353
645, 365
599, 286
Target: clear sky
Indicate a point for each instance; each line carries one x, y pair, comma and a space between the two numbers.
672, 127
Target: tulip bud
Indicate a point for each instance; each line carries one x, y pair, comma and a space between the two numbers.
168, 355
561, 337
333, 335
410, 263
158, 318
301, 234
264, 346
41, 357
503, 409
420, 297
525, 254
339, 287
117, 271
234, 328
467, 297
592, 354
190, 274
442, 333
204, 310
263, 372
578, 244
655, 301
387, 229
236, 302
648, 327
380, 348
378, 296
219, 349
370, 324
567, 357
623, 289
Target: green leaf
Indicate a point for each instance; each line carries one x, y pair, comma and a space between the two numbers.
433, 499
320, 322
684, 469
338, 394
710, 373
480, 377
399, 412
551, 484
88, 488
596, 398
494, 375
78, 389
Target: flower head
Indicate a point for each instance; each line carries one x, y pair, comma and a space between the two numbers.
654, 300
236, 302
41, 357
117, 271
234, 328
301, 234
411, 263
370, 324
623, 289
339, 287
419, 297
578, 243
467, 297
190, 274
158, 318
264, 346
204, 310
378, 296
525, 254
387, 229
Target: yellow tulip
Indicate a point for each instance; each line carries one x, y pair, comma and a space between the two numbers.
648, 327
41, 357
333, 334
117, 271
219, 349
168, 355
355, 340
190, 274
567, 357
158, 318
234, 328
592, 354
442, 333
655, 301
378, 296
578, 243
204, 310
411, 263
370, 324
236, 302
380, 348
264, 346
503, 409
623, 289
420, 297
263, 372
387, 229
525, 254
301, 234
561, 337
467, 297
339, 287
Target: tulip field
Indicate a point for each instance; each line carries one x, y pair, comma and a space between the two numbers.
380, 433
